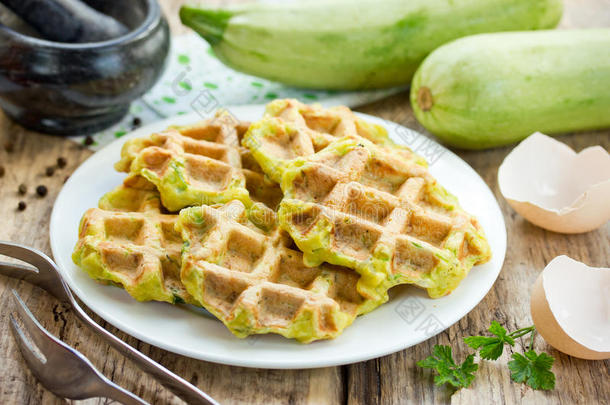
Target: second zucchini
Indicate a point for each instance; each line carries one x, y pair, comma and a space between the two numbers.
494, 89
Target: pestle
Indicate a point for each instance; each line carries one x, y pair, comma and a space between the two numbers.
66, 20
10, 19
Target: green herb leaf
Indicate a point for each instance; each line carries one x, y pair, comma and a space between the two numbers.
448, 371
533, 369
491, 348
185, 85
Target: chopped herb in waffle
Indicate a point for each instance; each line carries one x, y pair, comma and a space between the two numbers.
200, 164
130, 241
254, 282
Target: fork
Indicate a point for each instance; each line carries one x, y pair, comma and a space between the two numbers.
62, 370
45, 275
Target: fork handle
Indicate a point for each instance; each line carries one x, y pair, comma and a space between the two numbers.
176, 384
121, 395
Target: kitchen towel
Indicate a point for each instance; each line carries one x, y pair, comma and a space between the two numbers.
196, 81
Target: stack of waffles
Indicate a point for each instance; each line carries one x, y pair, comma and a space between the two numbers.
295, 224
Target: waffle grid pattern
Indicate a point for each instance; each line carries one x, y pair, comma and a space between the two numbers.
256, 283
200, 164
356, 205
291, 129
354, 198
130, 241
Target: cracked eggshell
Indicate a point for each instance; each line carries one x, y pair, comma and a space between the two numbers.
570, 306
553, 187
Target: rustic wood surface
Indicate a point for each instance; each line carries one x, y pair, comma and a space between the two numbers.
390, 379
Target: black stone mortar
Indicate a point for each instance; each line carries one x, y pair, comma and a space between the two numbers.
71, 89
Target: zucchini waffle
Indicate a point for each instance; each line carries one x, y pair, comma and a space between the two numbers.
254, 282
130, 241
369, 206
200, 164
290, 129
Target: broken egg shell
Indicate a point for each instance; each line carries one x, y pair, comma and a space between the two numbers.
570, 306
555, 188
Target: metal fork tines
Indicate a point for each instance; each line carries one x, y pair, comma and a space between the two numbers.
46, 275
61, 369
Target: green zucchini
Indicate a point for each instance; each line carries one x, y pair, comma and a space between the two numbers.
495, 89
353, 44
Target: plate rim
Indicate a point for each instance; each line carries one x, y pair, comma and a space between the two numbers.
314, 362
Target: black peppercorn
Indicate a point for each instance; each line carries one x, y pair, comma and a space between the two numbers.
41, 190
89, 140
61, 162
22, 189
49, 171
21, 206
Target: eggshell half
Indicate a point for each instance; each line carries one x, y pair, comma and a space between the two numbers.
570, 306
555, 188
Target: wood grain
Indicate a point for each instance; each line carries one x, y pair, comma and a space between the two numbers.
390, 379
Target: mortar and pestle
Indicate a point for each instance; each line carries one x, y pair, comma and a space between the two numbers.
71, 67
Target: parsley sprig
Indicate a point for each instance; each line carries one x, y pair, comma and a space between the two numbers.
491, 348
448, 371
533, 369
530, 368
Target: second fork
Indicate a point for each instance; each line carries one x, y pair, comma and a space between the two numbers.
61, 369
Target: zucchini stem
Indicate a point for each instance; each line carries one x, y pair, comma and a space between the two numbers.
209, 23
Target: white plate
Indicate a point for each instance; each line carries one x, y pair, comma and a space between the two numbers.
409, 318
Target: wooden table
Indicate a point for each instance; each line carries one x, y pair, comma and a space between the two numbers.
390, 379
